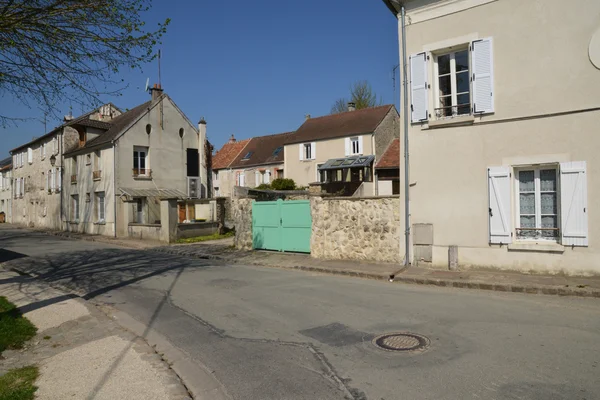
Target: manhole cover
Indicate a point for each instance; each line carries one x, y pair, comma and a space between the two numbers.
401, 342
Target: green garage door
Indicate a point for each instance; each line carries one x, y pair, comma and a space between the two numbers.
282, 225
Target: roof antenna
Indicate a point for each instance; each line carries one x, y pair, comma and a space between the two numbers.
159, 81
147, 84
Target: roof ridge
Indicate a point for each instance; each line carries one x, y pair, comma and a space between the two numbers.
347, 112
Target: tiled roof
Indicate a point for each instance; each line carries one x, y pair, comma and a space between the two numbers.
343, 124
6, 164
391, 156
263, 150
92, 123
228, 153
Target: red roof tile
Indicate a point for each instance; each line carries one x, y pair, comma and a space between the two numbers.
391, 157
263, 150
228, 153
343, 124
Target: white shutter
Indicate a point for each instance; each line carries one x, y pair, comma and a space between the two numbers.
30, 155
499, 204
483, 76
313, 150
573, 200
53, 180
256, 178
360, 145
58, 180
54, 145
268, 176
47, 182
418, 87
348, 144
301, 146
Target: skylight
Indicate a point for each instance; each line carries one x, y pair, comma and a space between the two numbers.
277, 150
247, 156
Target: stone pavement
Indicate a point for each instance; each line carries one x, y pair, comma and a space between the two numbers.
506, 281
81, 352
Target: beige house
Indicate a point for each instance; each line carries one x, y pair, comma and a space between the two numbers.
260, 161
503, 133
115, 181
37, 168
338, 151
223, 178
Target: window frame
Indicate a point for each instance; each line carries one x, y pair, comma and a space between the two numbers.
75, 207
453, 81
307, 151
100, 203
146, 159
537, 201
355, 141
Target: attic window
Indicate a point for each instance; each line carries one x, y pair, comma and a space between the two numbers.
181, 132
277, 150
247, 156
148, 128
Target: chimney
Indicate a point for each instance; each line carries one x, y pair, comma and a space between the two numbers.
232, 139
202, 157
69, 117
351, 106
307, 117
156, 91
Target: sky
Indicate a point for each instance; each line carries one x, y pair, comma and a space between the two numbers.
252, 68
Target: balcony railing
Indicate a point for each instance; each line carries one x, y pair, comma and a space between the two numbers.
142, 173
538, 233
452, 111
97, 175
73, 178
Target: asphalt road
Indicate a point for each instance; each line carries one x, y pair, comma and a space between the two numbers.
277, 334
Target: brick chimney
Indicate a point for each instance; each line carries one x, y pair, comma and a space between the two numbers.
232, 139
156, 91
351, 106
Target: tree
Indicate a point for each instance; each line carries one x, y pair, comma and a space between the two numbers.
361, 94
52, 49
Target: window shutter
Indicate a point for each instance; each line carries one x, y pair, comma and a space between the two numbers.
58, 180
30, 155
301, 146
573, 199
313, 150
499, 204
348, 144
54, 145
483, 76
47, 182
418, 87
268, 176
53, 179
256, 178
360, 145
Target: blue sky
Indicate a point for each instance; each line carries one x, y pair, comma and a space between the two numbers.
254, 68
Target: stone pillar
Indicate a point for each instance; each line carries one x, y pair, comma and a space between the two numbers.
221, 214
453, 258
168, 220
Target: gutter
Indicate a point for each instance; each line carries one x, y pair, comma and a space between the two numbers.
114, 146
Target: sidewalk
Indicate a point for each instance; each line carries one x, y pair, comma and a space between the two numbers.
81, 352
130, 243
497, 280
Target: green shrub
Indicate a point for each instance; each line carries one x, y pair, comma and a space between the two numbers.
263, 186
283, 184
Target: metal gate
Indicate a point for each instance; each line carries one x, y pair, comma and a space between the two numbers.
282, 225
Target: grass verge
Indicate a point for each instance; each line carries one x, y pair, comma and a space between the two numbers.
15, 329
17, 384
214, 236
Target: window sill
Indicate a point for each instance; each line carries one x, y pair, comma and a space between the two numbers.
73, 222
142, 177
100, 223
148, 225
455, 121
97, 179
549, 247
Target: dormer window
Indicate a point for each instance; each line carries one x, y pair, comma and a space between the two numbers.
82, 138
247, 156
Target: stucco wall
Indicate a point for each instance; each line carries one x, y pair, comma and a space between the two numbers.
356, 229
304, 172
449, 165
250, 172
167, 151
6, 194
85, 183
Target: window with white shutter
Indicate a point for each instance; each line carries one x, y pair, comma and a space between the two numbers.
256, 178
418, 87
58, 180
499, 205
301, 148
30, 155
313, 150
268, 176
53, 180
574, 212
483, 76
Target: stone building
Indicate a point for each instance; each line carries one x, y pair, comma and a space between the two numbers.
38, 168
6, 197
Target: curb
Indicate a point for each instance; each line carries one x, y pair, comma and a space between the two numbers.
397, 277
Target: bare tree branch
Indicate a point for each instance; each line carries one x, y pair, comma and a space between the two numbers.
361, 94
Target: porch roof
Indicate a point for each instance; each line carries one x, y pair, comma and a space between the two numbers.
132, 193
348, 162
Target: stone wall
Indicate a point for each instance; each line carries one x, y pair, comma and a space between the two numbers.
356, 228
242, 218
388, 130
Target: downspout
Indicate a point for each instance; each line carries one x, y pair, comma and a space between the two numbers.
63, 226
115, 188
406, 159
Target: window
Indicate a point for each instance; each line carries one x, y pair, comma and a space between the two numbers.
88, 159
148, 128
354, 146
30, 155
140, 161
463, 81
267, 177
537, 204
453, 88
181, 132
215, 175
100, 210
75, 208
247, 156
308, 151
277, 151
241, 179
279, 174
82, 138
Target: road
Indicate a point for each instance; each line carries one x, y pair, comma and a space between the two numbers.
277, 334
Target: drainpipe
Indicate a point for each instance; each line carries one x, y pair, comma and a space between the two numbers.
115, 188
406, 159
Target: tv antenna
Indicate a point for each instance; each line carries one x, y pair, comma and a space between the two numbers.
147, 84
159, 82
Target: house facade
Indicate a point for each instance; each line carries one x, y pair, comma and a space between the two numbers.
504, 110
6, 196
37, 168
115, 181
223, 178
339, 150
260, 161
